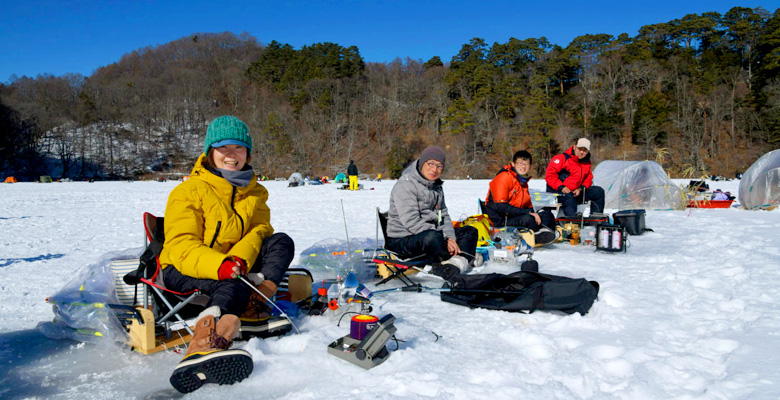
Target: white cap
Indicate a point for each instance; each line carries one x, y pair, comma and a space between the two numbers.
582, 142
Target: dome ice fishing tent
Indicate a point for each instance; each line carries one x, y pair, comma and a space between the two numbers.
760, 184
295, 179
637, 184
340, 178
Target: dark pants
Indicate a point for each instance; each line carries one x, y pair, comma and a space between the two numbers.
526, 220
232, 295
276, 254
594, 194
433, 244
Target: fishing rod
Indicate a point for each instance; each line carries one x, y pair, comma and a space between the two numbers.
414, 288
419, 289
346, 232
336, 253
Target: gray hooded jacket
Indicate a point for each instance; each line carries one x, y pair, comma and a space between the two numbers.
417, 205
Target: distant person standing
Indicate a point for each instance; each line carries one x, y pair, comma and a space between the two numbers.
352, 171
570, 175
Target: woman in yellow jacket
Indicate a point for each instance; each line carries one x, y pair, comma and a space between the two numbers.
218, 227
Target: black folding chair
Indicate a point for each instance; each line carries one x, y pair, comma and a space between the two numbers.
397, 266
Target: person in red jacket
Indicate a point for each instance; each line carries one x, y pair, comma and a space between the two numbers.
569, 174
508, 201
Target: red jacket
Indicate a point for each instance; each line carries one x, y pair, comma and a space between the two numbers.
566, 169
507, 188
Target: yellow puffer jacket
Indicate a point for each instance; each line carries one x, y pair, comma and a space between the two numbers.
207, 220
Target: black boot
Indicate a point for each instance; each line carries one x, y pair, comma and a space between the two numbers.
445, 271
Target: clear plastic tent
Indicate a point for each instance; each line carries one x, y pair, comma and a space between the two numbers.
637, 185
331, 257
760, 184
295, 177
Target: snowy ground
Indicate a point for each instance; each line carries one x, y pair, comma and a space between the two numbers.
691, 311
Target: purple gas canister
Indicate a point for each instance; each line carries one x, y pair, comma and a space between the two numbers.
361, 325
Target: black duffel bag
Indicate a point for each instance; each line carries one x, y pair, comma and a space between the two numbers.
522, 291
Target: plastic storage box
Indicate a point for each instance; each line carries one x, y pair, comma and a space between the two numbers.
633, 220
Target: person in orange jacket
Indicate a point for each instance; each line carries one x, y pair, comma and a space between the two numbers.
508, 201
570, 175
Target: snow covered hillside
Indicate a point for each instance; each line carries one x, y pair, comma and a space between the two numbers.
691, 311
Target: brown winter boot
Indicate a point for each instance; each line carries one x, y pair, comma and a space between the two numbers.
208, 358
257, 310
256, 321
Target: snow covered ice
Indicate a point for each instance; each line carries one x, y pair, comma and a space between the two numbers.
690, 311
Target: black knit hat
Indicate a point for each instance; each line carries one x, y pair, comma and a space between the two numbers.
433, 153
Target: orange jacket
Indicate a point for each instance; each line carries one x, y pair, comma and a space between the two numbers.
508, 187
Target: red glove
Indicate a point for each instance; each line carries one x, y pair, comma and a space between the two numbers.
232, 268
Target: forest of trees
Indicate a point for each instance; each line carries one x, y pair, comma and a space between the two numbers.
699, 94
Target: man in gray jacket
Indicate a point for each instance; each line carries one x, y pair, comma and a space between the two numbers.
418, 222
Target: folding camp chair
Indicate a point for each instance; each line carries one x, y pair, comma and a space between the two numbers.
390, 265
164, 324
166, 312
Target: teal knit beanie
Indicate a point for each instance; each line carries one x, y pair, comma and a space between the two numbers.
225, 130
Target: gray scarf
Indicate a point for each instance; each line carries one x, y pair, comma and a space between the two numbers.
236, 178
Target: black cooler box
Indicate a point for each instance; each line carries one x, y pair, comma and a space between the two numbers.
633, 220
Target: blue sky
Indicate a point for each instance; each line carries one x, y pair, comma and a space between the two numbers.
60, 36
